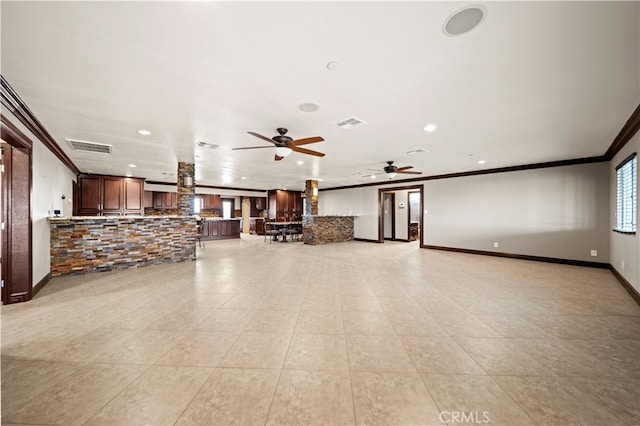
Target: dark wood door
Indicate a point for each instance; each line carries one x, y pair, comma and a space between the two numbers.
16, 217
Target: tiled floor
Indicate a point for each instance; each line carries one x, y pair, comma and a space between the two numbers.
350, 333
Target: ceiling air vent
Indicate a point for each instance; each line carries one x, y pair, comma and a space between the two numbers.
351, 122
202, 144
99, 148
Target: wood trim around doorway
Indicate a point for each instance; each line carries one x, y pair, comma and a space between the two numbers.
416, 188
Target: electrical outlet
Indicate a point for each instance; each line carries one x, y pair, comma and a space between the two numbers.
496, 244
594, 253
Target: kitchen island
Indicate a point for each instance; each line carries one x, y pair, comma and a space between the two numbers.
220, 229
85, 244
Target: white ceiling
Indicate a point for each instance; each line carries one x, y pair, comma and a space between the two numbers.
535, 82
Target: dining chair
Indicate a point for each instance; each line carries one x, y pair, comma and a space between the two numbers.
269, 231
200, 241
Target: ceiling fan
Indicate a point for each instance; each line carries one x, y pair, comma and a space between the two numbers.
391, 170
284, 145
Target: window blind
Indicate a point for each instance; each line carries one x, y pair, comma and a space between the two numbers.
626, 174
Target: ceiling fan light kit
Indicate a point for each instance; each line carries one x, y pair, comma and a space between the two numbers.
285, 145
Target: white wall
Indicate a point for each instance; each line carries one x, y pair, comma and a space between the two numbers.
624, 247
50, 180
558, 212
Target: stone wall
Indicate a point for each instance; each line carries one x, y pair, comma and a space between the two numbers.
327, 229
186, 193
81, 245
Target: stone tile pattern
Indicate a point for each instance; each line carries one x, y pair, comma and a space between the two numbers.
97, 244
327, 229
185, 194
150, 211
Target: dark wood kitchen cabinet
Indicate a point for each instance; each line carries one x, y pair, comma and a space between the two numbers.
148, 199
165, 200
109, 196
258, 205
210, 201
220, 229
285, 206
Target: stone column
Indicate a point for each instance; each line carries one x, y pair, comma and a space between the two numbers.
311, 195
186, 188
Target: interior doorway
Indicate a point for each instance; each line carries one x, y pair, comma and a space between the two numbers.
400, 215
389, 216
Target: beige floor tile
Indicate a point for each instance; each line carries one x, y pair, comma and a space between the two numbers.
181, 320
245, 301
400, 304
231, 320
357, 288
415, 324
327, 322
283, 302
617, 355
34, 346
513, 326
377, 353
564, 359
550, 400
232, 396
27, 379
475, 397
368, 323
440, 355
257, 350
464, 325
312, 398
317, 352
88, 347
392, 398
619, 395
145, 347
76, 398
157, 397
321, 302
200, 349
498, 356
360, 304
272, 322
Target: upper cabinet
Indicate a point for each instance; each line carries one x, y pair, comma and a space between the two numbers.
285, 205
258, 205
109, 196
165, 200
210, 201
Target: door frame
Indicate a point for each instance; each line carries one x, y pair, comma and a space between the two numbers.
393, 215
12, 136
381, 191
409, 215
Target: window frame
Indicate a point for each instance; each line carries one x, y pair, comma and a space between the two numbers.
623, 163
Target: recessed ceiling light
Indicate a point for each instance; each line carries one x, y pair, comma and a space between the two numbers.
132, 165
332, 66
299, 162
464, 20
373, 176
243, 178
481, 162
128, 175
144, 132
430, 128
308, 107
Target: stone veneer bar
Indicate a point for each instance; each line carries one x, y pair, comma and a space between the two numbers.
81, 245
326, 229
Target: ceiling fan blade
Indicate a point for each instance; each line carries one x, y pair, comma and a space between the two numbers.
400, 169
253, 147
262, 137
277, 158
307, 151
305, 141
409, 173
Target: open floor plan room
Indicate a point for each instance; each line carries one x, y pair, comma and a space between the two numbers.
350, 333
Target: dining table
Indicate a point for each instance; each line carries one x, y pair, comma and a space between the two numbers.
283, 227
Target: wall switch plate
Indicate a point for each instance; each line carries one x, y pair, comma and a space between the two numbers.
594, 253
495, 244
